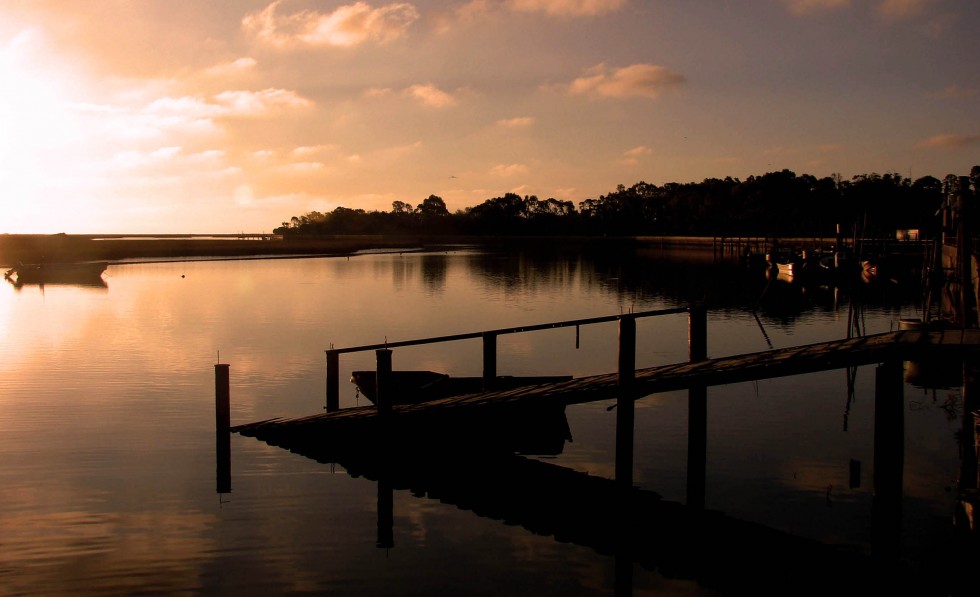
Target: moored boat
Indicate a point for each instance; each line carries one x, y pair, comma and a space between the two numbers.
411, 387
81, 272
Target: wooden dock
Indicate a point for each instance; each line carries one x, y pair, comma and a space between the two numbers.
468, 451
910, 345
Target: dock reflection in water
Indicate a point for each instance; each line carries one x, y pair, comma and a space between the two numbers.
487, 467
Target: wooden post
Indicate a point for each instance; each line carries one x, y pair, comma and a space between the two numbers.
854, 474
222, 428
624, 401
971, 403
333, 381
889, 460
697, 410
222, 397
386, 513
964, 256
697, 334
383, 389
489, 360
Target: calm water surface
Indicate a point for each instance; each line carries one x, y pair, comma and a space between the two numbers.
107, 477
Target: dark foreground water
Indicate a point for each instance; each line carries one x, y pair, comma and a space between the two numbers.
108, 472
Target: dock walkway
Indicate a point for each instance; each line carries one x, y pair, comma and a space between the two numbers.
878, 348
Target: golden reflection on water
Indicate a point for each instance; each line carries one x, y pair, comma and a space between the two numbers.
107, 414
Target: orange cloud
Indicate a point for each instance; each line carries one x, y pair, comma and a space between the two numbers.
346, 26
508, 169
480, 12
259, 103
645, 80
516, 123
949, 141
573, 8
638, 151
236, 67
431, 96
954, 91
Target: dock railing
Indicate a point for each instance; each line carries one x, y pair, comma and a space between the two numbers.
627, 345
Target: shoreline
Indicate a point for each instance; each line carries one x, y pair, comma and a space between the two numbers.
18, 249
60, 248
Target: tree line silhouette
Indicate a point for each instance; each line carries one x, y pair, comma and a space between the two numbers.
779, 204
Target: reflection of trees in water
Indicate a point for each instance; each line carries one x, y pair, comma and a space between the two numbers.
401, 272
681, 276
434, 270
527, 270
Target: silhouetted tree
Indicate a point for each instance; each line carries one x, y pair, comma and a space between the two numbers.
432, 206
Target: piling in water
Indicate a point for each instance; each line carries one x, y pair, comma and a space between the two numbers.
383, 397
222, 428
697, 409
625, 401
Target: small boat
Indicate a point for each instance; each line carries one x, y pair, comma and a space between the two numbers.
81, 272
787, 268
412, 387
784, 261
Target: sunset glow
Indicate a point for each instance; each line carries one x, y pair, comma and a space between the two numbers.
228, 116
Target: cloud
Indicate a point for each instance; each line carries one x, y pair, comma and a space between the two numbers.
428, 95
644, 80
954, 91
185, 116
805, 7
395, 150
166, 160
346, 26
638, 151
229, 103
902, 9
301, 167
377, 92
508, 169
632, 156
236, 67
258, 103
949, 141
308, 150
431, 96
569, 8
476, 11
480, 12
516, 123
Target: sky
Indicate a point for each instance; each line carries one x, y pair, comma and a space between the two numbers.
226, 116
